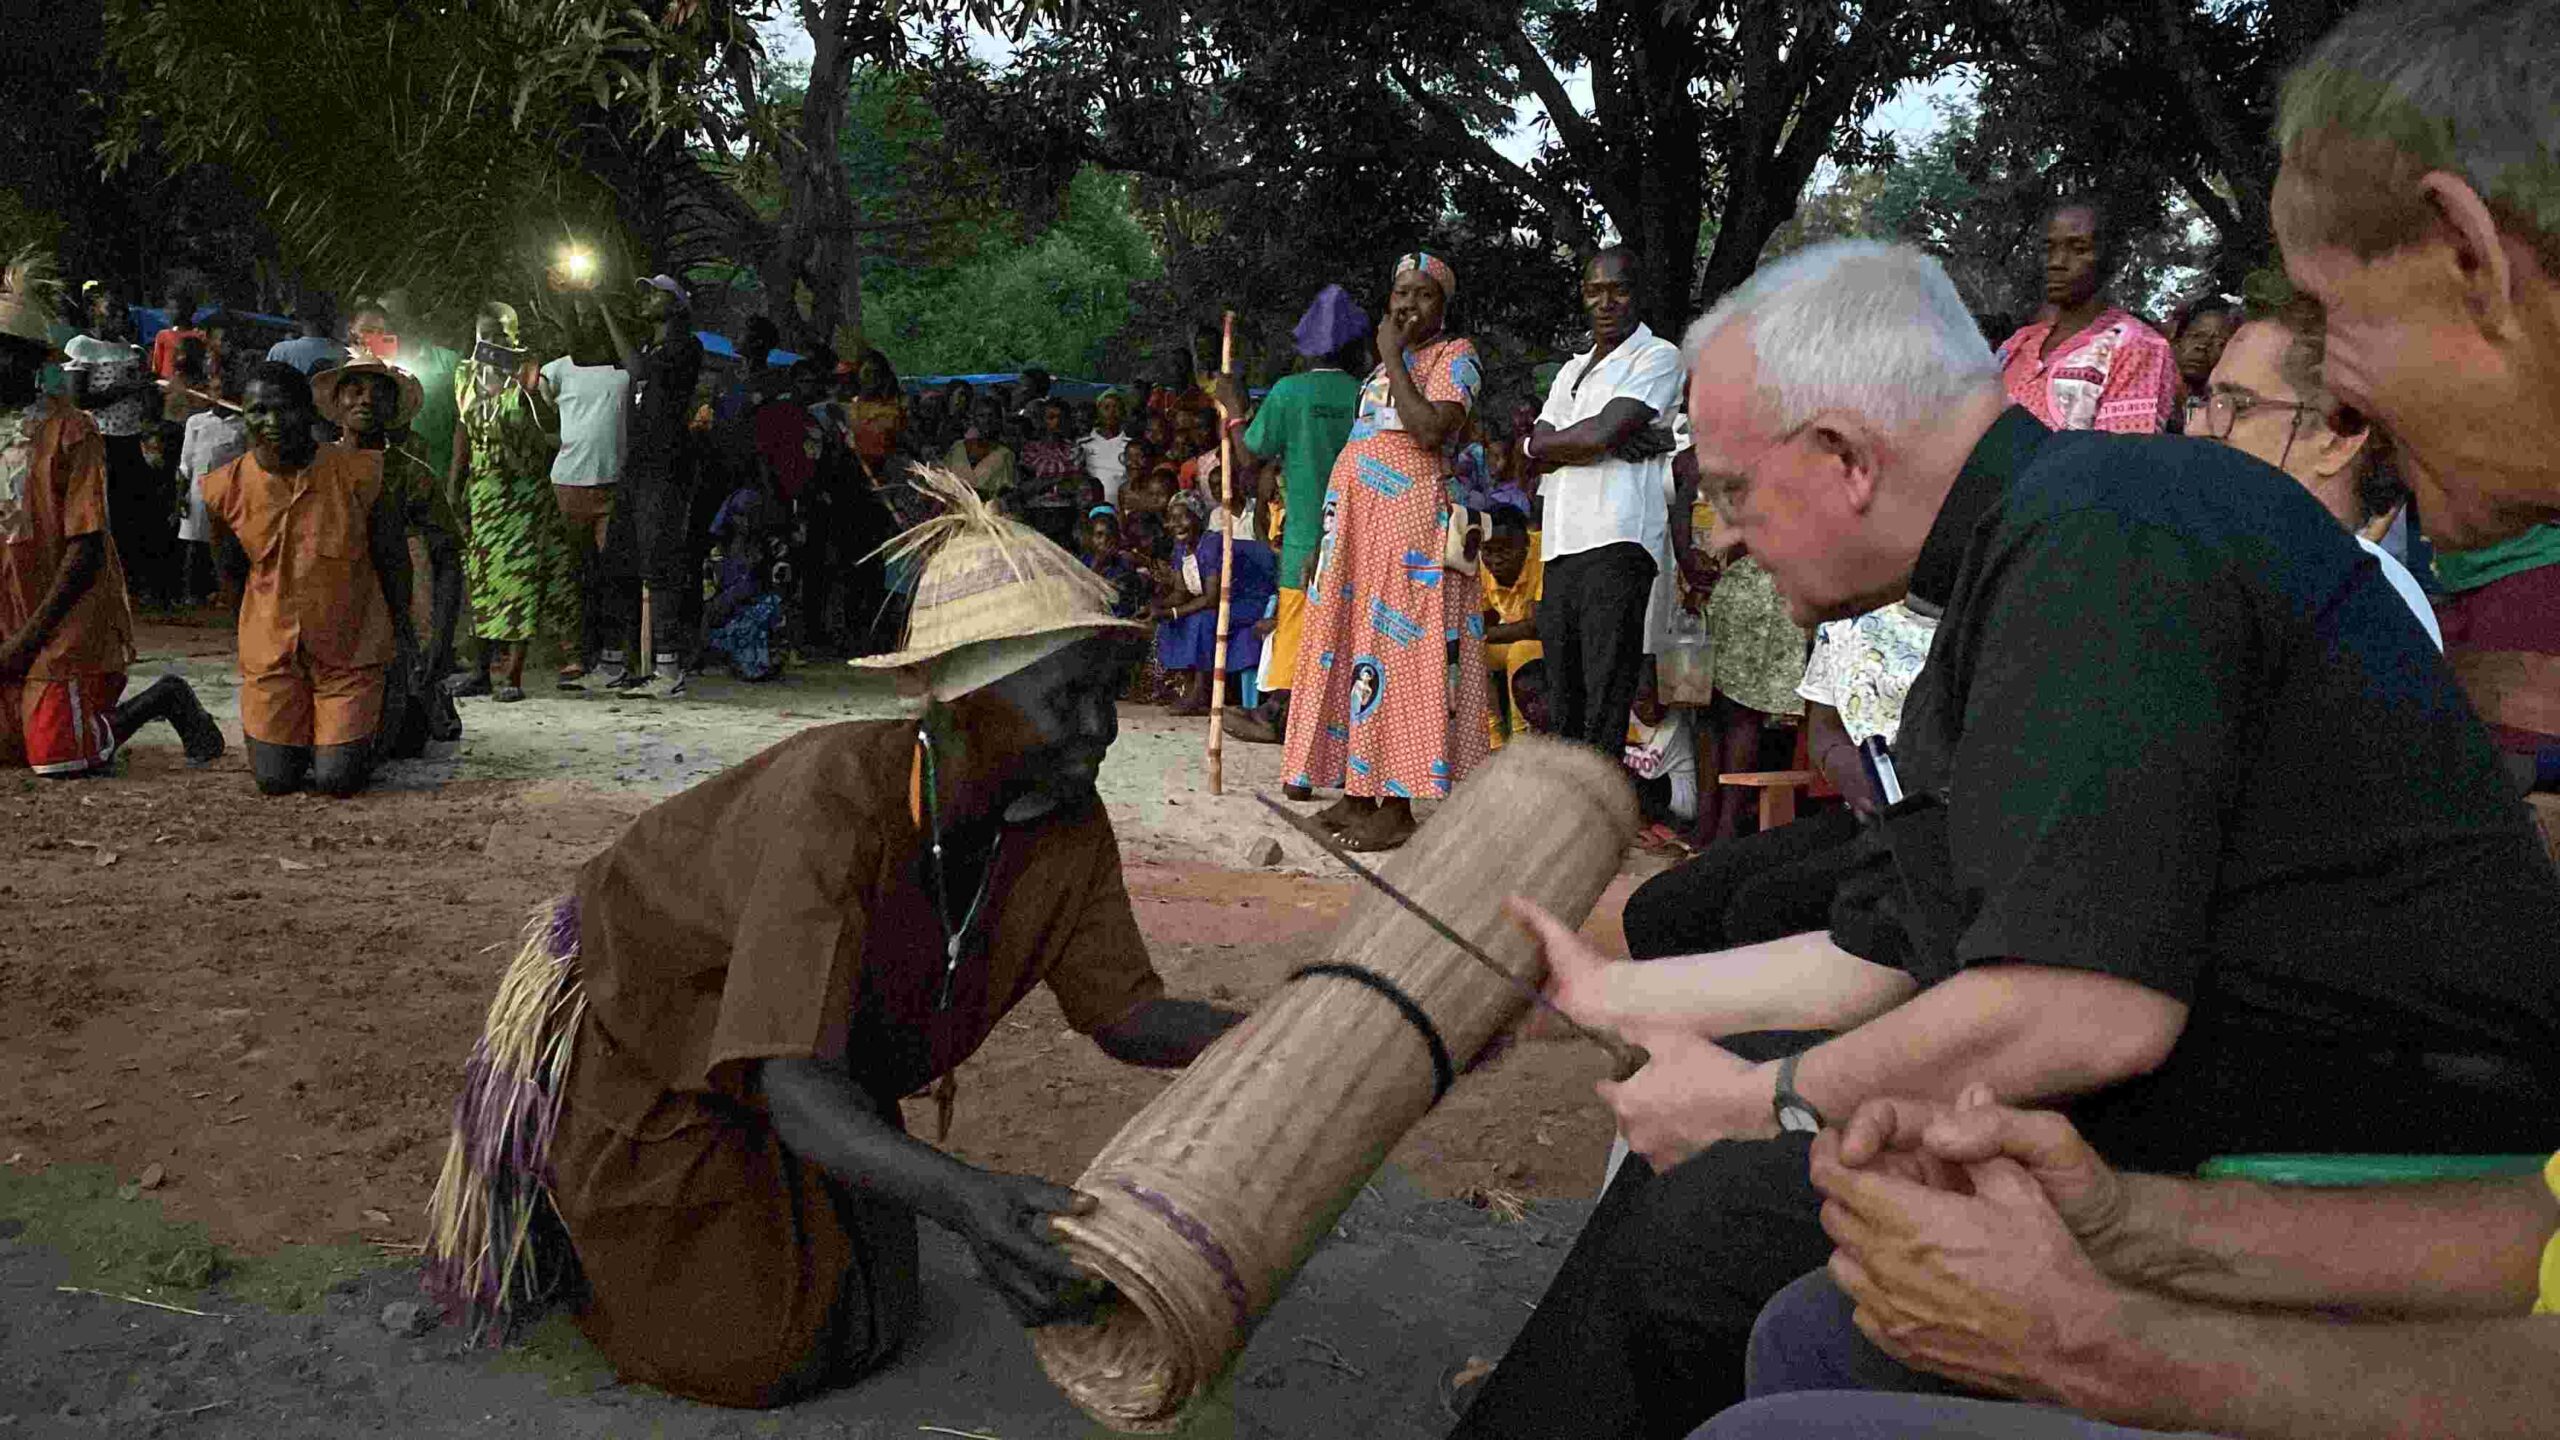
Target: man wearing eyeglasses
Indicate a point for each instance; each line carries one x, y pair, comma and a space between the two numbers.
2190, 809
2265, 398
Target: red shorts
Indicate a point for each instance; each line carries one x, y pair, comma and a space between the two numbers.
60, 727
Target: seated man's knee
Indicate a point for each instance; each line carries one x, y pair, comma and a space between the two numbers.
1668, 916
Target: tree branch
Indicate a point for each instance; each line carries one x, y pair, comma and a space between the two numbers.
1582, 139
1460, 139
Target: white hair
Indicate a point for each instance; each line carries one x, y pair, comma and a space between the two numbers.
1859, 326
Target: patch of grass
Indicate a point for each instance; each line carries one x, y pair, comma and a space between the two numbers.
118, 1240
297, 1278
557, 1351
115, 1244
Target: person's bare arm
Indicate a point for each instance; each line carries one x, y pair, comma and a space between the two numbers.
231, 558
1986, 1284
824, 1118
1800, 982
83, 556
1836, 756
1585, 441
2176, 1366
387, 539
2030, 1032
2458, 1248
622, 345
1428, 421
1165, 1034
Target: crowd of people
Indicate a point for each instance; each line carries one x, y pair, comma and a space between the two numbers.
2178, 685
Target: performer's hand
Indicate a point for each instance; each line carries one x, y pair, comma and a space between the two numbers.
1005, 1220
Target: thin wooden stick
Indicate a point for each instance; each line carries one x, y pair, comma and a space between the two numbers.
1226, 570
138, 1300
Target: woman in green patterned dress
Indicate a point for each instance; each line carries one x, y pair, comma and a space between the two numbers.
522, 574
1759, 661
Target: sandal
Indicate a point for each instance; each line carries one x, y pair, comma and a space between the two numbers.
507, 694
1341, 815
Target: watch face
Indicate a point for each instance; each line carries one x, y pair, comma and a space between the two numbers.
1796, 1120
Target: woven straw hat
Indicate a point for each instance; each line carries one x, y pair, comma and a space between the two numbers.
27, 291
324, 390
994, 596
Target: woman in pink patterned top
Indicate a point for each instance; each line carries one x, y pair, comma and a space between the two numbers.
2088, 363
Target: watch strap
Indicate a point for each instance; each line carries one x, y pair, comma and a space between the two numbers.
1785, 1098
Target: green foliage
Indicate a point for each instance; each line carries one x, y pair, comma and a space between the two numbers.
117, 1239
1976, 193
446, 149
1055, 300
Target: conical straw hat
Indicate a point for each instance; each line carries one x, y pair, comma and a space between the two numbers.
994, 595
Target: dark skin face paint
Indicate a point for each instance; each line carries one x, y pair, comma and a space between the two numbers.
279, 426
1052, 722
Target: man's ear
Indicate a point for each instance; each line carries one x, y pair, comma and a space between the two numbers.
2486, 273
2344, 435
1853, 451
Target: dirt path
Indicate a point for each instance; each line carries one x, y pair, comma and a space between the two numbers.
266, 1002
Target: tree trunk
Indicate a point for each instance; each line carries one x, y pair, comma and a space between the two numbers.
821, 249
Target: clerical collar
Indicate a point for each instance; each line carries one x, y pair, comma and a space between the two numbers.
1998, 457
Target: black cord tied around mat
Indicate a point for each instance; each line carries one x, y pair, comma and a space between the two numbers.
1443, 1073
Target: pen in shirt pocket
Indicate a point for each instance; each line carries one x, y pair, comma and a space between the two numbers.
1878, 758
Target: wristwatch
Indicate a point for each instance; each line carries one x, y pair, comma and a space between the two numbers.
1796, 1115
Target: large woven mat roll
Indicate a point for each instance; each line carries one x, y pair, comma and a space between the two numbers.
1210, 1199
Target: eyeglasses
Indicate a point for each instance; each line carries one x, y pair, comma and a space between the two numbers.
1725, 492
2212, 416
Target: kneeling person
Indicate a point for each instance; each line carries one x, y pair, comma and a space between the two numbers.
66, 629
319, 549
724, 1015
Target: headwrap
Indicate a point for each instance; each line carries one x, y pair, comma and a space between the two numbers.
1433, 266
1331, 322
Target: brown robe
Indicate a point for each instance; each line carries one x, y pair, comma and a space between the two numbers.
782, 910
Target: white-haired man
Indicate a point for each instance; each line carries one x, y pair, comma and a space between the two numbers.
2191, 809
2417, 202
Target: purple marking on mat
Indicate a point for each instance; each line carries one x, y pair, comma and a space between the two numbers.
1202, 1241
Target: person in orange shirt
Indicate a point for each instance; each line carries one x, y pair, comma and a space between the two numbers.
66, 627
319, 547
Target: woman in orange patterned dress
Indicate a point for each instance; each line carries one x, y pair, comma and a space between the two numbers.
1394, 642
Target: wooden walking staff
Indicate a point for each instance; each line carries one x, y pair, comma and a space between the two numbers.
1226, 569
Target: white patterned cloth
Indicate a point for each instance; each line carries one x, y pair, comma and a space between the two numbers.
111, 363
1864, 666
17, 460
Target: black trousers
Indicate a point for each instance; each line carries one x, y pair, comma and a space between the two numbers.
1646, 1329
1591, 622
1762, 886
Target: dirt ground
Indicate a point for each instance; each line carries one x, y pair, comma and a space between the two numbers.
267, 1003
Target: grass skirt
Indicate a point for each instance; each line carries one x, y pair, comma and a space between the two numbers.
495, 1245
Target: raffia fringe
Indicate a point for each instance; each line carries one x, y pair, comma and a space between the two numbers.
494, 1244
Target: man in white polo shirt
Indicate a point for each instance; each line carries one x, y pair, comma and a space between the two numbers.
1607, 465
592, 393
